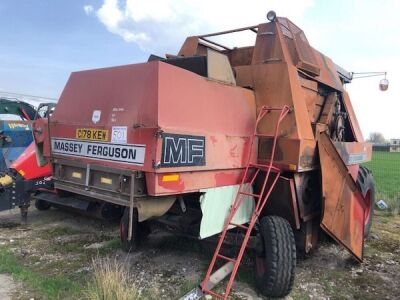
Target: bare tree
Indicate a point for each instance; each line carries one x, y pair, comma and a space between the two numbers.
376, 138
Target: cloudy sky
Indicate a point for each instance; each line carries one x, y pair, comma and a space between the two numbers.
43, 41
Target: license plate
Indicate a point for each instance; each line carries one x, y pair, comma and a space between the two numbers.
92, 134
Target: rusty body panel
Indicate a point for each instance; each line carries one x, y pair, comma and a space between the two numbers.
344, 208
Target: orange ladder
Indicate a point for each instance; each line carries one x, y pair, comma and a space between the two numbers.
243, 193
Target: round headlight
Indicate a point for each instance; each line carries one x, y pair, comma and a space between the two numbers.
271, 16
384, 84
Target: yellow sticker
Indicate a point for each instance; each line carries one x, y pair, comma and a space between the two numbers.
170, 177
92, 134
106, 180
17, 125
77, 175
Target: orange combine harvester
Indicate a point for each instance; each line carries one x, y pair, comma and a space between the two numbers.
257, 146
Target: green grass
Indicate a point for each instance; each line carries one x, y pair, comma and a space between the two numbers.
55, 287
386, 170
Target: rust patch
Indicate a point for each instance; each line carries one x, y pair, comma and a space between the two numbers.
265, 148
307, 159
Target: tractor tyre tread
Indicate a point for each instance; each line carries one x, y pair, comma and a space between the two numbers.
280, 257
42, 205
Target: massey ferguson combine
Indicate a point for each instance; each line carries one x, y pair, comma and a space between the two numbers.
258, 146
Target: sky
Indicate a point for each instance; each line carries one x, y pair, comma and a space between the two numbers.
42, 42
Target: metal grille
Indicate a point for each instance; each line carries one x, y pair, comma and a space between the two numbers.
385, 165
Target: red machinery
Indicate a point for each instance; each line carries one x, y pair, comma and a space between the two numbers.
25, 176
177, 142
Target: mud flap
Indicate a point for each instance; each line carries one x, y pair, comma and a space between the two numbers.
343, 204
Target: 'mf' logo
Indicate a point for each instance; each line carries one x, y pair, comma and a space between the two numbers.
183, 150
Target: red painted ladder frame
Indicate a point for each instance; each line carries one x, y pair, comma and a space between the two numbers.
241, 195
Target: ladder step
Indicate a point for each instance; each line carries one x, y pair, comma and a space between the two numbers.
250, 194
265, 167
239, 225
273, 108
226, 258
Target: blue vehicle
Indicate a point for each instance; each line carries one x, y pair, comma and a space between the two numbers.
15, 130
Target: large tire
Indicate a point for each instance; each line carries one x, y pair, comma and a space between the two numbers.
134, 243
42, 205
366, 183
275, 266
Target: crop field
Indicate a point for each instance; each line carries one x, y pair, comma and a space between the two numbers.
386, 169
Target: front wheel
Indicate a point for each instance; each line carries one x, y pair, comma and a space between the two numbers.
42, 204
275, 266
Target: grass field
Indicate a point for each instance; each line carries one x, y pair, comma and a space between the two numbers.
386, 169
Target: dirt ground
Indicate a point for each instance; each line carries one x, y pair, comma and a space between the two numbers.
54, 255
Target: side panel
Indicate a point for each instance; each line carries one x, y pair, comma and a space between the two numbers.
26, 164
221, 115
343, 207
15, 136
215, 205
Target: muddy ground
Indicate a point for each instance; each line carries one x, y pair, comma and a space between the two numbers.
51, 258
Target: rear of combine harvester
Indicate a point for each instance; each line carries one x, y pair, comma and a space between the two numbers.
177, 142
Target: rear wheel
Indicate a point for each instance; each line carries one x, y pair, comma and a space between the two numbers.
275, 266
42, 205
366, 183
134, 243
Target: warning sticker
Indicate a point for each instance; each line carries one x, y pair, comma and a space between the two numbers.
127, 153
119, 134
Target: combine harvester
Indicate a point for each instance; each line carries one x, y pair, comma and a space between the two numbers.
258, 145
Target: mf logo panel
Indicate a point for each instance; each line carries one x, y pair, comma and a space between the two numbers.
183, 150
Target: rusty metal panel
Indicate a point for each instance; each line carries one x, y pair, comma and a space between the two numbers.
291, 154
244, 76
189, 47
312, 98
343, 205
328, 74
305, 57
268, 47
240, 56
